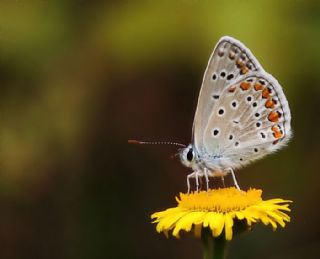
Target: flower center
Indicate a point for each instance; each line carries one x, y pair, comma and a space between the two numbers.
220, 200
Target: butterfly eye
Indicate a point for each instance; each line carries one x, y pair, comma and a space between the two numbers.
190, 155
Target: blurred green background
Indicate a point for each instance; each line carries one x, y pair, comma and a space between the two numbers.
78, 78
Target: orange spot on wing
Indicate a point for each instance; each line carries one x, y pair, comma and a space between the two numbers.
242, 66
239, 63
258, 87
245, 85
274, 116
277, 133
265, 93
269, 103
244, 70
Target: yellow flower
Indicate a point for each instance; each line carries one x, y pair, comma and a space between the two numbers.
218, 210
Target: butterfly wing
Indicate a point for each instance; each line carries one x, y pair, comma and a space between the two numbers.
250, 119
229, 61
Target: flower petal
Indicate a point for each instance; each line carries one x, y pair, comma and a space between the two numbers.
169, 221
216, 223
185, 222
228, 218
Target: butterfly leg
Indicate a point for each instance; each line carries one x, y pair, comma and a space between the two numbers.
193, 175
197, 179
230, 170
188, 180
223, 184
205, 172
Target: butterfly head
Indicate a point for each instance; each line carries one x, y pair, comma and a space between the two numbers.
188, 156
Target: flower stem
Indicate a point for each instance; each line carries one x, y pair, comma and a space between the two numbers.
213, 247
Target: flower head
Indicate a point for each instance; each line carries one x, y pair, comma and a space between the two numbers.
218, 210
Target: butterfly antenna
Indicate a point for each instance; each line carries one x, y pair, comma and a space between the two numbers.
132, 141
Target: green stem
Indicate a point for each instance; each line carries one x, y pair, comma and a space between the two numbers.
213, 247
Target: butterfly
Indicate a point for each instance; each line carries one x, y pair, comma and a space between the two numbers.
242, 114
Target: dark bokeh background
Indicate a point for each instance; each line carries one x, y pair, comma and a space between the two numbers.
78, 78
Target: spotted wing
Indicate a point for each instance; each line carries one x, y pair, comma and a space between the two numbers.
249, 120
229, 61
